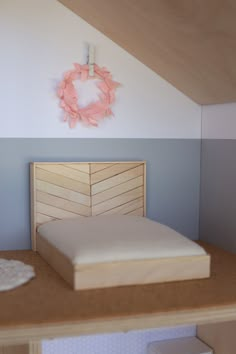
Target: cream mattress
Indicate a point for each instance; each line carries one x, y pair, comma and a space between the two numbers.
112, 238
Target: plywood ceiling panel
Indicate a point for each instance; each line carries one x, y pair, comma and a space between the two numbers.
190, 43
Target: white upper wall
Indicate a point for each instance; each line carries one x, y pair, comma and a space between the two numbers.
40, 40
219, 121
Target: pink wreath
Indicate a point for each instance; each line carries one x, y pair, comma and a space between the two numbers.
95, 111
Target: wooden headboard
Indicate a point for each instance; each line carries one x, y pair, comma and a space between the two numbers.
61, 190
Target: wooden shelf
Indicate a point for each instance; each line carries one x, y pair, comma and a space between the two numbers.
46, 307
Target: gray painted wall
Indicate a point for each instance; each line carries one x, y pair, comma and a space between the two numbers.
173, 178
218, 193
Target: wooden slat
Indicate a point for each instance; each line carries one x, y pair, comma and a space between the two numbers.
63, 204
119, 200
41, 218
62, 192
137, 212
114, 181
80, 167
62, 181
95, 167
111, 171
126, 208
54, 212
66, 171
115, 191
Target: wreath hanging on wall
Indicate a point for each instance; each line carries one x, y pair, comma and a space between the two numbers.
95, 111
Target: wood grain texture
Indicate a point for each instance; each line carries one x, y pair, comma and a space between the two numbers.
219, 336
57, 260
102, 275
64, 204
120, 178
33, 347
117, 190
54, 212
15, 349
63, 181
115, 202
191, 44
82, 167
67, 171
138, 212
126, 208
72, 189
54, 310
111, 171
95, 167
63, 193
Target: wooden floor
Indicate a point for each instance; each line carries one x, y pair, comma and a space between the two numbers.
47, 307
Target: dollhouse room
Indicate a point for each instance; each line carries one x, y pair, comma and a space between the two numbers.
118, 169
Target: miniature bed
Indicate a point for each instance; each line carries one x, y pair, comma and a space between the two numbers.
115, 245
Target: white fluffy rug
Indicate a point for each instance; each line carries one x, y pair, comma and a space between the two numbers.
14, 273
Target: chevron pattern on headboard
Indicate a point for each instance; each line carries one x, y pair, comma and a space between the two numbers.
61, 190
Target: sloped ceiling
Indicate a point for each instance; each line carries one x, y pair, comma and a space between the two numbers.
190, 43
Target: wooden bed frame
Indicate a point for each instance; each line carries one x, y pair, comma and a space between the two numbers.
65, 190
